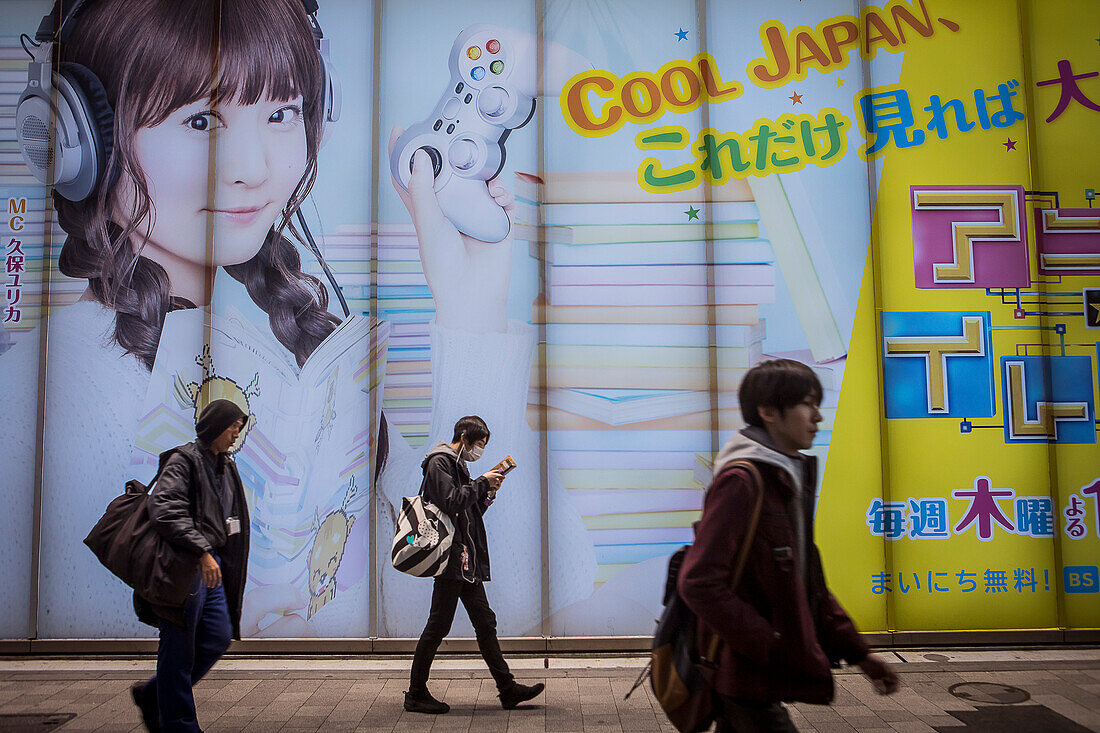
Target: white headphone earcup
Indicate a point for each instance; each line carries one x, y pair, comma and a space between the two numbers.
75, 116
49, 137
97, 118
333, 97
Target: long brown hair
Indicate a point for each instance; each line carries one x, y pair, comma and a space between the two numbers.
153, 57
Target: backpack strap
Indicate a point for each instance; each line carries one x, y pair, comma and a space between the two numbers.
146, 488
746, 546
192, 494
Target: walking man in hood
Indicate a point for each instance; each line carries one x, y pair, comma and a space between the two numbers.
447, 484
198, 505
781, 628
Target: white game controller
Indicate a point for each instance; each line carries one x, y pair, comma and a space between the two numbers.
491, 92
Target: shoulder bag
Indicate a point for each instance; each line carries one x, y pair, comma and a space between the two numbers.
127, 543
422, 545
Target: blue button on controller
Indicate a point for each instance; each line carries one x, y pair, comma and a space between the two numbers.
477, 73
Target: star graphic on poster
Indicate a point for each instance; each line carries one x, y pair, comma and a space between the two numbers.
795, 98
692, 213
839, 82
681, 35
1009, 144
1092, 307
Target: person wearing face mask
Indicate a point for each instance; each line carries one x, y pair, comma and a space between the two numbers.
447, 484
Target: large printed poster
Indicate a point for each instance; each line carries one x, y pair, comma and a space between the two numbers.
616, 209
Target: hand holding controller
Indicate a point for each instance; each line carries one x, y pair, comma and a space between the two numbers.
491, 92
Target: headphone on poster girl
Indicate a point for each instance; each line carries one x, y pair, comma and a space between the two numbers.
82, 120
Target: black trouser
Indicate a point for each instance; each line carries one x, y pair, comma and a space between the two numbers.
445, 597
743, 716
185, 655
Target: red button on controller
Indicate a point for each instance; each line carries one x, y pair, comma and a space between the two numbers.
492, 46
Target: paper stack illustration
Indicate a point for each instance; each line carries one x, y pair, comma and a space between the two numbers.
628, 308
404, 301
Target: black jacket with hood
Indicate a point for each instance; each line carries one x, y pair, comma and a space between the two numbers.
447, 484
187, 509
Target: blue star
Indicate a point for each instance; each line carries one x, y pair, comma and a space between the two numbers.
681, 35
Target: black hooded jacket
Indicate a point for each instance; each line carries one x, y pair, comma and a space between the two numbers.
189, 510
447, 484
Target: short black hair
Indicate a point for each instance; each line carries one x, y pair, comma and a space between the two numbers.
474, 428
779, 383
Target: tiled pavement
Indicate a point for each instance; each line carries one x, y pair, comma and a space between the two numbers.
583, 695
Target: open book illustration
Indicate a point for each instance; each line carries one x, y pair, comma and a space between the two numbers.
308, 449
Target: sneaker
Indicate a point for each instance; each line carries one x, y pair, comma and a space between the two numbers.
149, 714
423, 702
518, 693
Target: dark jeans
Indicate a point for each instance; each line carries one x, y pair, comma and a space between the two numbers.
185, 655
445, 597
743, 716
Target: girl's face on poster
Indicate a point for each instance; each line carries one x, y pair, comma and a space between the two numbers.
259, 157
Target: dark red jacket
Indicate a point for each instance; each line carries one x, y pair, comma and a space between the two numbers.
782, 629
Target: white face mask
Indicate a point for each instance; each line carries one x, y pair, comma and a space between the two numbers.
472, 454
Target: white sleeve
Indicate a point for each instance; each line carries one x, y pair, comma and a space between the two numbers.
483, 374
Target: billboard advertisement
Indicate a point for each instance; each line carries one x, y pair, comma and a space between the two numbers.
628, 204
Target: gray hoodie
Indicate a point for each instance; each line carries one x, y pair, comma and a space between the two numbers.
754, 444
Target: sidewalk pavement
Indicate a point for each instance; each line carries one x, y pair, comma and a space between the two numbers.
583, 695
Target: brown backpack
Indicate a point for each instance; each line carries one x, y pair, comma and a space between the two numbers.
682, 665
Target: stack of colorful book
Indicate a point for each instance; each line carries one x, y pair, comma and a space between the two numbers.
628, 382
403, 300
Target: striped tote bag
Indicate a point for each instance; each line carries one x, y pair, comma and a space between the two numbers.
422, 544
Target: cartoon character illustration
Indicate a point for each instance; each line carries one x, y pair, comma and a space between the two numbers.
426, 534
328, 551
213, 387
328, 415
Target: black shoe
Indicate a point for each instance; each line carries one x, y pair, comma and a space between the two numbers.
423, 702
518, 693
149, 713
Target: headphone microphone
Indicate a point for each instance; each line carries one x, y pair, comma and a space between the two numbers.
64, 123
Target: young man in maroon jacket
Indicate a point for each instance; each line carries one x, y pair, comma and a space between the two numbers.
781, 628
